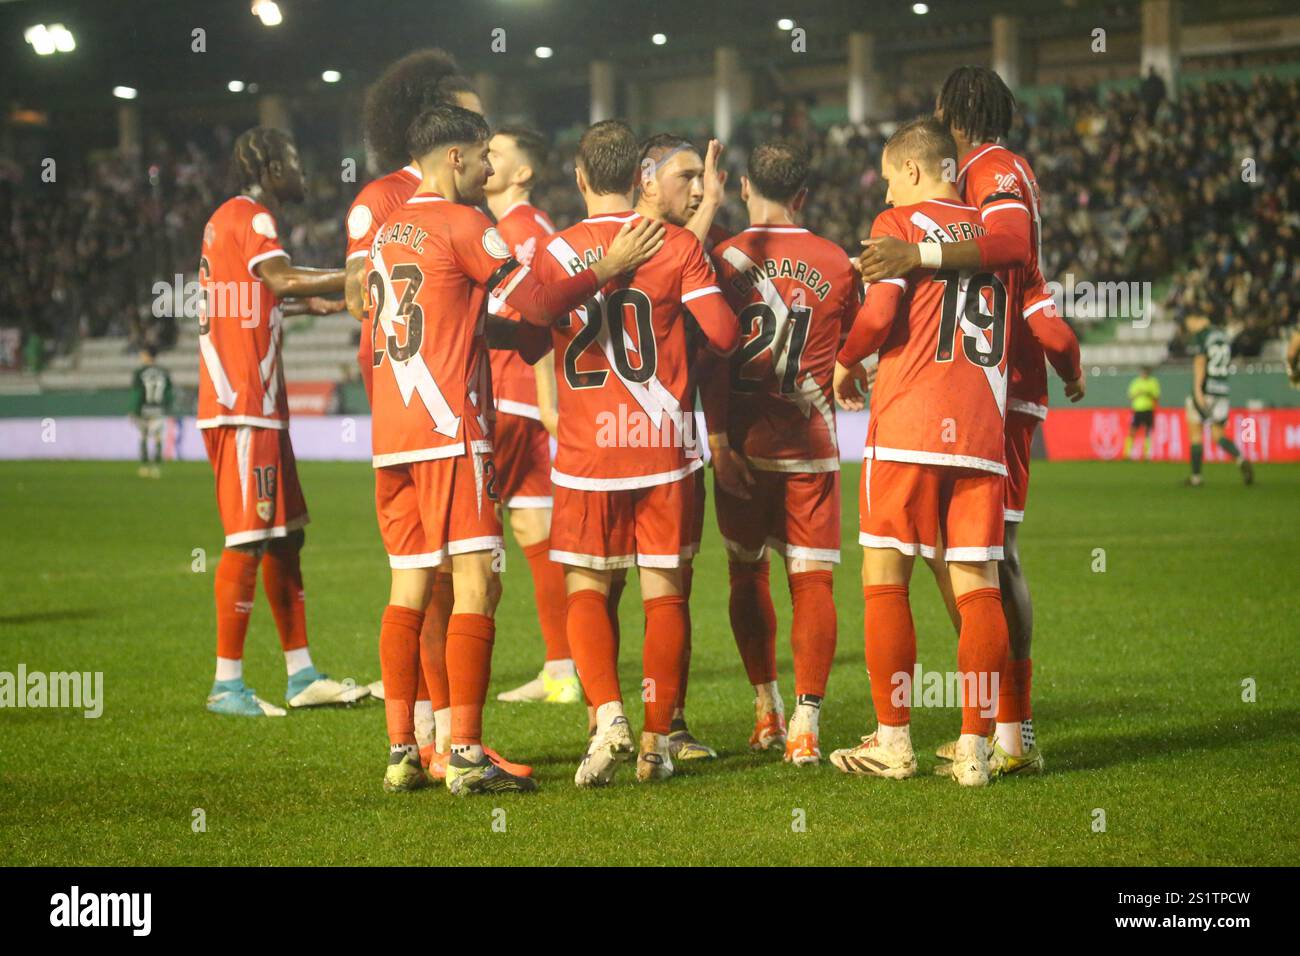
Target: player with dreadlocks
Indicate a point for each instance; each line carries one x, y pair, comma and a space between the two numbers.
244, 417
978, 108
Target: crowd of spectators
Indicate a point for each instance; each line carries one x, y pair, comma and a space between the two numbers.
1203, 190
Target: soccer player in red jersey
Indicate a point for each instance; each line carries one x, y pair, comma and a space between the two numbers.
977, 107
679, 186
244, 416
430, 270
933, 464
627, 449
796, 295
418, 80
525, 405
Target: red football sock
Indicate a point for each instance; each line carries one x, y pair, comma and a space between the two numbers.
1013, 692
548, 591
665, 637
594, 646
282, 581
812, 633
433, 642
615, 596
234, 587
399, 665
469, 668
684, 669
981, 654
753, 620
891, 650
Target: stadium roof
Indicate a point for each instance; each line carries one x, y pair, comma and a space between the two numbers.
146, 44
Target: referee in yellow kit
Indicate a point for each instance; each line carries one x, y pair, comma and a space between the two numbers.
1144, 393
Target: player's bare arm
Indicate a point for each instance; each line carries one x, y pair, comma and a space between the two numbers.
313, 305
298, 282
547, 403
352, 287
715, 181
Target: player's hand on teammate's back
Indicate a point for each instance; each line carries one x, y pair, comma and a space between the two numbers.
1075, 390
885, 257
734, 476
850, 387
633, 245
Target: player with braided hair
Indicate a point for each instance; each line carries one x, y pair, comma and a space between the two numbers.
244, 416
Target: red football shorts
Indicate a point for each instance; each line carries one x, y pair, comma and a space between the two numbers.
910, 507
693, 527
617, 529
1020, 436
522, 449
258, 493
795, 513
430, 510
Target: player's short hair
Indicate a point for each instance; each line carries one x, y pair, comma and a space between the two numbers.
925, 140
656, 150
254, 151
409, 86
778, 169
607, 154
151, 351
529, 142
975, 100
444, 125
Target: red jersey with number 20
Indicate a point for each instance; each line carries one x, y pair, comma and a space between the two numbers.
940, 394
526, 229
626, 420
242, 377
796, 295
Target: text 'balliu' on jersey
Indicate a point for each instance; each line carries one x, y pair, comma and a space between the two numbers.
626, 420
796, 296
427, 279
242, 377
940, 393
526, 230
998, 182
372, 207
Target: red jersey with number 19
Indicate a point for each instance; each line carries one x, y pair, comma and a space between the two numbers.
796, 295
940, 394
427, 280
242, 382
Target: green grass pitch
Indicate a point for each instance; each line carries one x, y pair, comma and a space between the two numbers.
1138, 696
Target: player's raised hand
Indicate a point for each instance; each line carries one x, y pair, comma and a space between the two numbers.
634, 244
715, 178
885, 257
1075, 390
732, 470
850, 387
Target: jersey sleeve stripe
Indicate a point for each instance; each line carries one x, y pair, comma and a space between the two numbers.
1038, 306
996, 197
1003, 205
901, 283
707, 290
263, 256
514, 280
356, 255
499, 276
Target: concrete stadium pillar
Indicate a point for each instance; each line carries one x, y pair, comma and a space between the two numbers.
1160, 40
128, 129
485, 84
1006, 49
601, 74
273, 111
864, 82
726, 87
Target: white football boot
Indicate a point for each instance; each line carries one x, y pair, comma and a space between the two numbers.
605, 751
970, 761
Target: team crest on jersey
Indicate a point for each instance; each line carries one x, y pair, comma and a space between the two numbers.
496, 246
525, 251
264, 225
359, 220
1007, 183
265, 509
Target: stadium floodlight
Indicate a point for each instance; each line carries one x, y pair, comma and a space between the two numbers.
331, 76
268, 12
920, 9
235, 86
125, 92
63, 39
46, 40
659, 39
544, 52
785, 23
